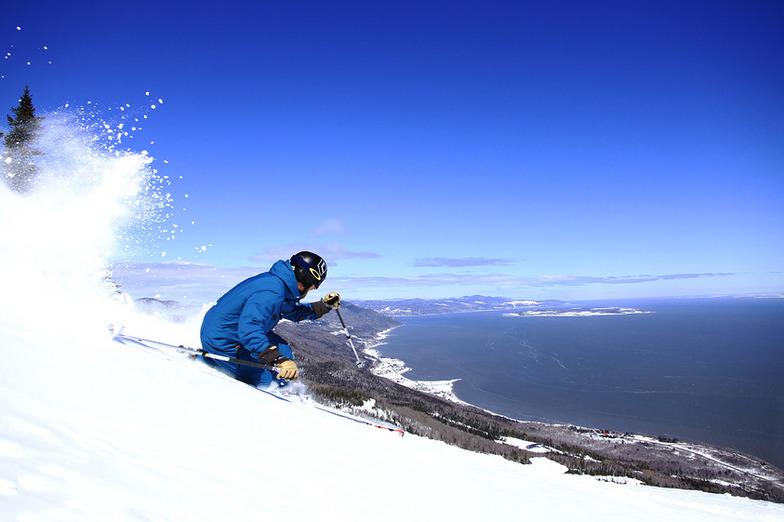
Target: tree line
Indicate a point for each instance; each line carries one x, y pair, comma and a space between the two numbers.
18, 167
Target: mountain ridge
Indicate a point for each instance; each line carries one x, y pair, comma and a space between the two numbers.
472, 303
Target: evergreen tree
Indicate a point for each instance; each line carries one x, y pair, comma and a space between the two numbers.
18, 159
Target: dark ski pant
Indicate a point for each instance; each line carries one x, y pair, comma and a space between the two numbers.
249, 375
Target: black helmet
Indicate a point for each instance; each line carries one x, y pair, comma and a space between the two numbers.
309, 268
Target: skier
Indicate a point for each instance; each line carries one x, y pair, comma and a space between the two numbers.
241, 322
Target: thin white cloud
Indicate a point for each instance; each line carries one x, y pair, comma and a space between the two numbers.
201, 283
329, 227
511, 281
460, 262
563, 280
331, 251
194, 283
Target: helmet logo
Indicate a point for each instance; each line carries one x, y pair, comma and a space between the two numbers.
320, 271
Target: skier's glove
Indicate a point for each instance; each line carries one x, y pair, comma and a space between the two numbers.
288, 370
332, 300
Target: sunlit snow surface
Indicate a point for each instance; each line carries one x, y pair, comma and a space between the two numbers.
91, 429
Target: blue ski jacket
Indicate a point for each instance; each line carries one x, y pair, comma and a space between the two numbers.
247, 313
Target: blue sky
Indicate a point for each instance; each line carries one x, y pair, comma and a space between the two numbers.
571, 150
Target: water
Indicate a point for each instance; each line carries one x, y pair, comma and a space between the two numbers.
709, 370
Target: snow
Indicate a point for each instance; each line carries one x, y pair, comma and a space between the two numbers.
533, 447
577, 313
523, 303
91, 429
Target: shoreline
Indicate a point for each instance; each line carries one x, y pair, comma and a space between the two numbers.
393, 370
730, 460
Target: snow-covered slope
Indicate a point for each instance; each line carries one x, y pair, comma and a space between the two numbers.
91, 429
95, 430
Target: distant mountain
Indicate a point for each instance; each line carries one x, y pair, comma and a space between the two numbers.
472, 303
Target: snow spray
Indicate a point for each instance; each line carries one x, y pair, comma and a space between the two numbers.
90, 203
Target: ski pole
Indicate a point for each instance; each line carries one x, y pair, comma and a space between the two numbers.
197, 351
348, 336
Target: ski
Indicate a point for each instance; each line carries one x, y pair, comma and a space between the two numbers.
337, 413
126, 339
132, 340
393, 429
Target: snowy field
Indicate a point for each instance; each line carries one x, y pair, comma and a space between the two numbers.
91, 429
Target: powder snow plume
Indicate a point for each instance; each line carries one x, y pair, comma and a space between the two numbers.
91, 203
